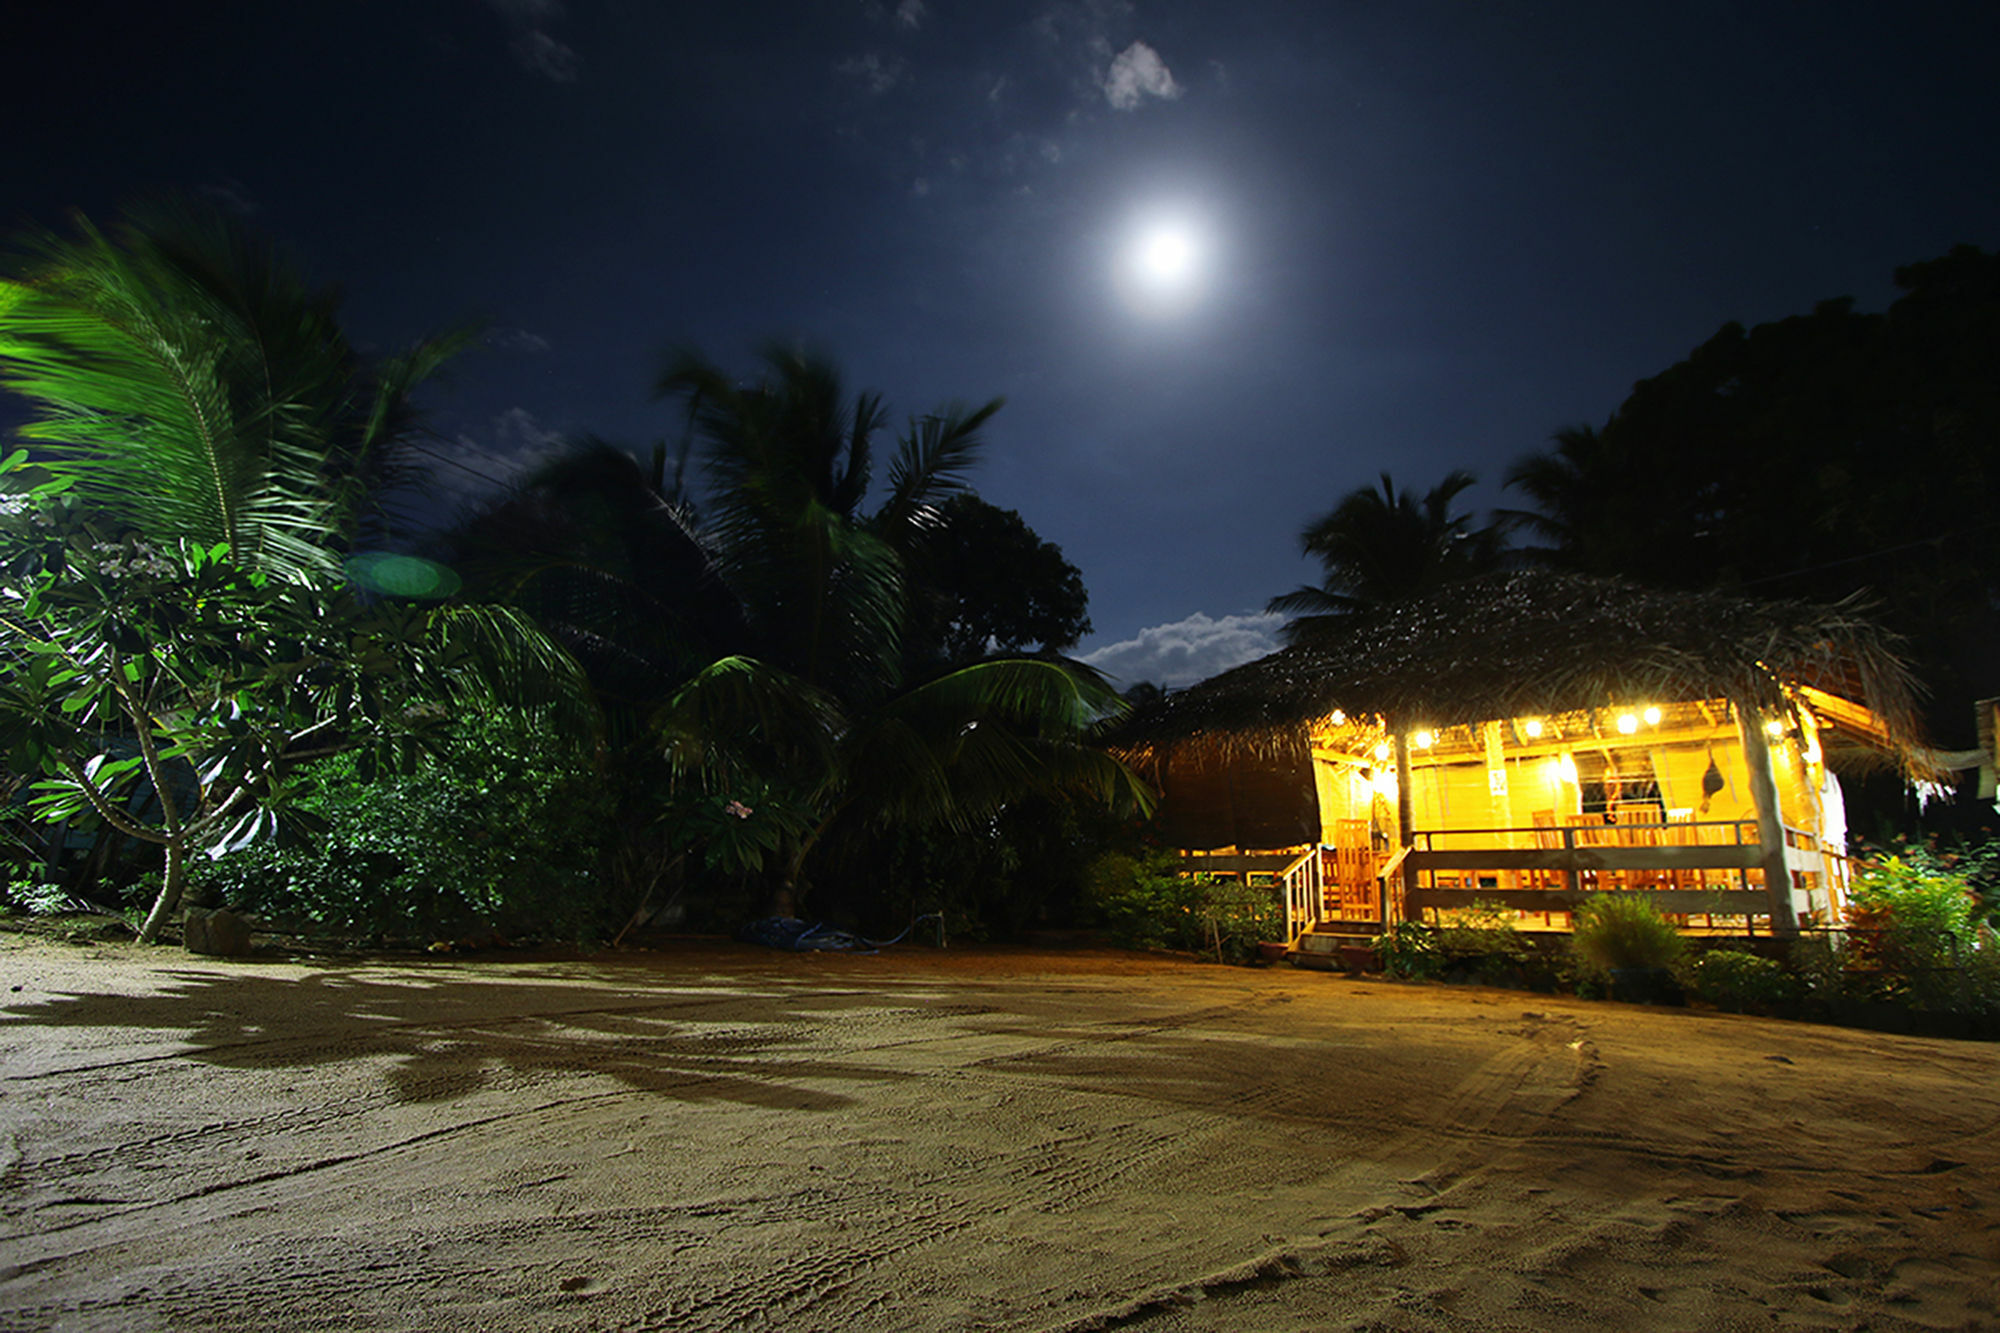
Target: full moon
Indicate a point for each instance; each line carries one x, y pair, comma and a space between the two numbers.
1167, 254
1164, 266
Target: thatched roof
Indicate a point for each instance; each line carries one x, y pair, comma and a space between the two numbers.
1536, 642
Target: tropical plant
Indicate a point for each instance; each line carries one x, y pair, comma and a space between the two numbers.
1387, 546
1619, 931
498, 832
819, 707
193, 386
1409, 949
177, 639
1738, 981
172, 695
1911, 925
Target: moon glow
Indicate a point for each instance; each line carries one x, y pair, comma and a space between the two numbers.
1164, 265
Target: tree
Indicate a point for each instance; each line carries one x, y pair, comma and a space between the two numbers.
1816, 456
177, 637
819, 715
1380, 547
982, 582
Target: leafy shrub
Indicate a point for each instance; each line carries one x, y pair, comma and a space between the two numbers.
1616, 931
1482, 934
501, 834
1409, 949
1910, 924
1145, 904
1235, 917
1141, 901
35, 898
1738, 982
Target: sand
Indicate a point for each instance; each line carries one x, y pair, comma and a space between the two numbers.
717, 1137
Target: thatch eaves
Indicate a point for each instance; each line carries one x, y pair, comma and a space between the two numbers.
1536, 642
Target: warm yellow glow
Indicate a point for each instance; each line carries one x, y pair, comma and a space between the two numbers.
1566, 768
1627, 723
1337, 718
1774, 729
1424, 739
1532, 728
1812, 755
1385, 783
1381, 751
1652, 716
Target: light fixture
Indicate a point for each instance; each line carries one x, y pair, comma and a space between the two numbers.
1774, 729
1424, 739
1382, 751
1337, 718
1532, 728
1627, 723
1652, 715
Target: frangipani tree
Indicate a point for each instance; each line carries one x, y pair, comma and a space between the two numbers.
172, 606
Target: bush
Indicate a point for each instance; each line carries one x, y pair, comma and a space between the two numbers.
1481, 938
1145, 904
1409, 949
1738, 982
1911, 925
502, 834
1617, 931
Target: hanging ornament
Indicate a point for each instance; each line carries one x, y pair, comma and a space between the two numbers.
1711, 781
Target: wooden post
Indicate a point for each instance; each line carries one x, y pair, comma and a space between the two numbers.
1405, 816
1770, 820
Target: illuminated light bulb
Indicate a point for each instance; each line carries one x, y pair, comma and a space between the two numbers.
1337, 718
1652, 716
1382, 751
1533, 728
1775, 730
1424, 739
1627, 723
1385, 783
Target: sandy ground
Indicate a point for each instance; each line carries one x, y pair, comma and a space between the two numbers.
722, 1138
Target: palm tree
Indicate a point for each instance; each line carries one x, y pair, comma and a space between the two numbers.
818, 711
201, 409
194, 387
1383, 546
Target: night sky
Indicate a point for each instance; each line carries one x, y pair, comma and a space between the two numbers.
1226, 262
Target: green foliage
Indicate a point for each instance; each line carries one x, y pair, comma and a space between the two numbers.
1738, 981
981, 581
1809, 451
1485, 932
1234, 917
1410, 950
1615, 931
1145, 904
34, 897
1911, 927
1142, 900
500, 832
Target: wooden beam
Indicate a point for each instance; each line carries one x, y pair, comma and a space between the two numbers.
1679, 902
1770, 821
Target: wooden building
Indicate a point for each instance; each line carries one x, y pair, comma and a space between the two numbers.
1529, 738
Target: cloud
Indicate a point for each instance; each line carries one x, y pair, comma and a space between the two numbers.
1189, 650
910, 13
535, 50
229, 194
515, 340
1138, 72
878, 73
467, 471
